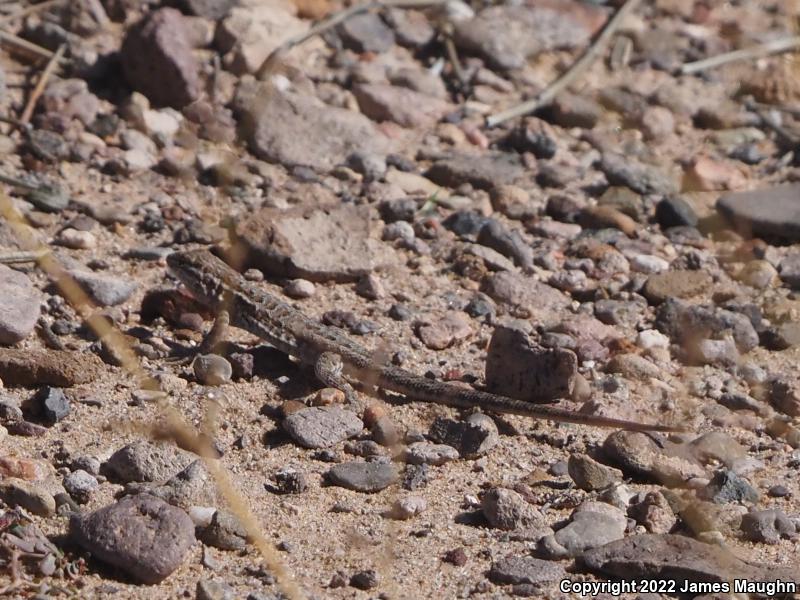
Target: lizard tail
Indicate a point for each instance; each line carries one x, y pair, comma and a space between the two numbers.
438, 392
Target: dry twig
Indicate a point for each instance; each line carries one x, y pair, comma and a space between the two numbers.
17, 43
582, 64
25, 117
765, 49
29, 11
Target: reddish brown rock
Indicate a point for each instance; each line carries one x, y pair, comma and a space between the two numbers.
157, 59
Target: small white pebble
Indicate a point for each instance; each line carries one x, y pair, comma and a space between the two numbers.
408, 507
647, 263
651, 338
76, 239
212, 369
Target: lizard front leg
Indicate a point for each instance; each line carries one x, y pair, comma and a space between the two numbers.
329, 370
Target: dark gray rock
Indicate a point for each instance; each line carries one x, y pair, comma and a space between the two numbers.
507, 35
225, 532
322, 426
768, 526
772, 212
587, 529
208, 9
427, 453
472, 438
789, 268
507, 242
104, 289
213, 590
363, 477
641, 178
665, 556
682, 322
525, 569
674, 211
366, 33
520, 368
19, 306
727, 486
52, 405
483, 171
144, 536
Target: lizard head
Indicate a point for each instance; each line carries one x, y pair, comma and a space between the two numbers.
203, 275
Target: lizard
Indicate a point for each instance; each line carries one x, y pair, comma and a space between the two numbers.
335, 357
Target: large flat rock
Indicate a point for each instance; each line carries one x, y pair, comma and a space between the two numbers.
772, 212
297, 129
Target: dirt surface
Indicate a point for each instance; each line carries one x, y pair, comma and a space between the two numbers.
575, 256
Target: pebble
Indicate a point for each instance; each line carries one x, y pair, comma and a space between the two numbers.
19, 307
51, 404
789, 269
649, 339
299, 288
592, 527
143, 536
225, 532
654, 513
674, 211
451, 328
370, 287
568, 25
676, 284
401, 105
634, 367
80, 485
146, 461
647, 263
770, 212
157, 59
104, 289
768, 526
363, 477
366, 33
525, 569
472, 438
507, 509
427, 453
24, 468
192, 486
726, 486
313, 244
365, 580
759, 274
408, 507
641, 178
518, 367
322, 427
298, 129
483, 171
660, 556
590, 475
30, 496
212, 369
79, 240
213, 590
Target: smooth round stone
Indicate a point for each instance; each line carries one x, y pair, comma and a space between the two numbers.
78, 240
212, 369
299, 288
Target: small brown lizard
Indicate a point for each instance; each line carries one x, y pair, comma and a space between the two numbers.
335, 357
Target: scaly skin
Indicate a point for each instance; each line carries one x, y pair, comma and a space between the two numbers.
337, 358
